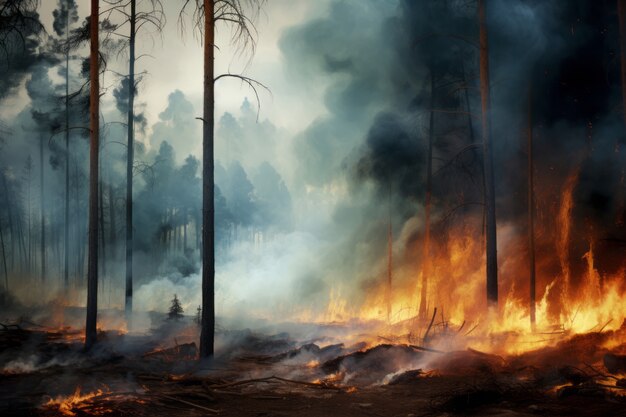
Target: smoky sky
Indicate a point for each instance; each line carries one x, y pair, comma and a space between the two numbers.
324, 192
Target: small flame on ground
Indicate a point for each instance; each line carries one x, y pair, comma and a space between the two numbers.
67, 405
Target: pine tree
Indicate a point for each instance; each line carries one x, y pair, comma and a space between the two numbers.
176, 310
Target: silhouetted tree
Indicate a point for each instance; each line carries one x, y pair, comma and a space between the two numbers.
176, 310
531, 212
208, 13
153, 16
94, 126
64, 16
490, 199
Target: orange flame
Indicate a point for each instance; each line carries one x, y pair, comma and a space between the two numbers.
67, 405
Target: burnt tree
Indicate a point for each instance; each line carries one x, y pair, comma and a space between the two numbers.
94, 144
531, 214
208, 13
490, 201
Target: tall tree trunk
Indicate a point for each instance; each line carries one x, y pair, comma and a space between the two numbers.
197, 227
428, 202
77, 227
621, 13
29, 269
94, 122
21, 242
490, 201
43, 220
185, 216
4, 260
208, 189
531, 213
129, 167
389, 262
112, 221
11, 227
101, 227
66, 236
10, 214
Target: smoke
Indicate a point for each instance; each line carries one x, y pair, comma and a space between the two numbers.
66, 13
302, 216
393, 158
121, 95
177, 126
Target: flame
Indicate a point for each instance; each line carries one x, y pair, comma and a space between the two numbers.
67, 405
101, 402
574, 294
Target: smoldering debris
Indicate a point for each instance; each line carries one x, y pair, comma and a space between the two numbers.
287, 372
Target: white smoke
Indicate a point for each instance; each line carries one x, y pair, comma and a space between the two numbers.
261, 280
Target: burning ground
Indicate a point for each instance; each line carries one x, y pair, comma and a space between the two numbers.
315, 369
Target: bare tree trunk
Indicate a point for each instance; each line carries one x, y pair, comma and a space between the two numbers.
428, 202
4, 261
621, 13
197, 227
43, 220
21, 242
389, 262
94, 122
11, 227
29, 269
66, 261
185, 216
112, 221
208, 189
490, 202
101, 225
531, 213
129, 166
78, 227
10, 214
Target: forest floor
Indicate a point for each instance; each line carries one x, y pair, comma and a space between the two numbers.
45, 373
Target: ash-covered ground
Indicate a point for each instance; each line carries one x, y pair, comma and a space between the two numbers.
306, 369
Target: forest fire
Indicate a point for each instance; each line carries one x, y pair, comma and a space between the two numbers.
427, 219
569, 301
